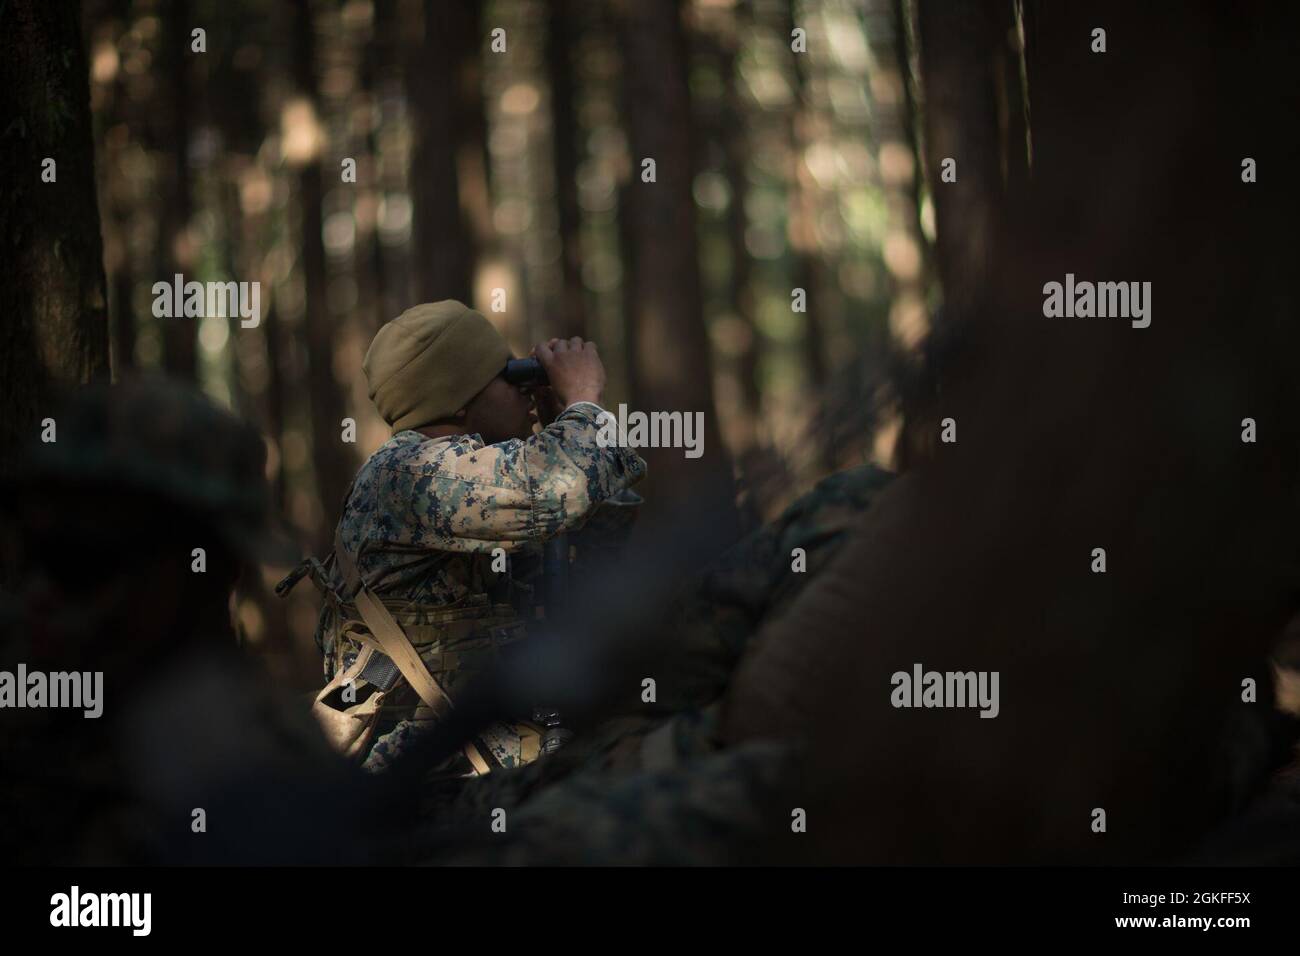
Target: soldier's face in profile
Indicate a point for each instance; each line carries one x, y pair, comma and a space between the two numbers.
500, 412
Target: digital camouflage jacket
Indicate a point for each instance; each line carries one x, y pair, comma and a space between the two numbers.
452, 526
424, 515
422, 508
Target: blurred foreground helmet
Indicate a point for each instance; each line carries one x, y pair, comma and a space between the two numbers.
164, 439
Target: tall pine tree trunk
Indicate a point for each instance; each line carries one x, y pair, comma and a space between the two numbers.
330, 456
440, 72
672, 369
377, 55
54, 326
561, 39
736, 151
808, 269
175, 254
973, 110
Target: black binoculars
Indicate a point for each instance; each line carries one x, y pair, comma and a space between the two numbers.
525, 371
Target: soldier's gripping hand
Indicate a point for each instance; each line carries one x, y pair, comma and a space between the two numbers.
574, 369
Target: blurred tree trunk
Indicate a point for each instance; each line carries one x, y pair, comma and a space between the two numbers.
330, 456
974, 114
176, 255
115, 190
55, 327
906, 252
809, 268
735, 145
1118, 689
898, 163
376, 57
443, 84
259, 366
1010, 79
904, 55
742, 288
473, 160
561, 39
672, 370
722, 149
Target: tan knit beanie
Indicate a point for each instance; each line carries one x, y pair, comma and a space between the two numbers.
427, 363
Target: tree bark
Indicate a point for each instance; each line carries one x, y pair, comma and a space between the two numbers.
1117, 688
561, 38
115, 193
54, 333
967, 59
723, 148
673, 369
808, 268
377, 55
736, 149
442, 78
331, 459
179, 334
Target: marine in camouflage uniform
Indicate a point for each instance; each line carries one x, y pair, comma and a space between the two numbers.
447, 530
716, 620
661, 790
642, 785
725, 807
103, 522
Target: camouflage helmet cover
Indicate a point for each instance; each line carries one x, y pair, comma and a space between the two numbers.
166, 439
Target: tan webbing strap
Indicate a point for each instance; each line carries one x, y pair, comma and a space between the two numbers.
391, 638
476, 759
396, 645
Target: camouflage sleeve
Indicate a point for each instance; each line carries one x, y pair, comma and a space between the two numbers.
507, 494
605, 535
714, 621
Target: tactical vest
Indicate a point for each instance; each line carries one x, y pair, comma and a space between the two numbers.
394, 660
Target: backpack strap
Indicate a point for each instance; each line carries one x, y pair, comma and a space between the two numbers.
389, 635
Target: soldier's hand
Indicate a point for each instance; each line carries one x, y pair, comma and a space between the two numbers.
574, 368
